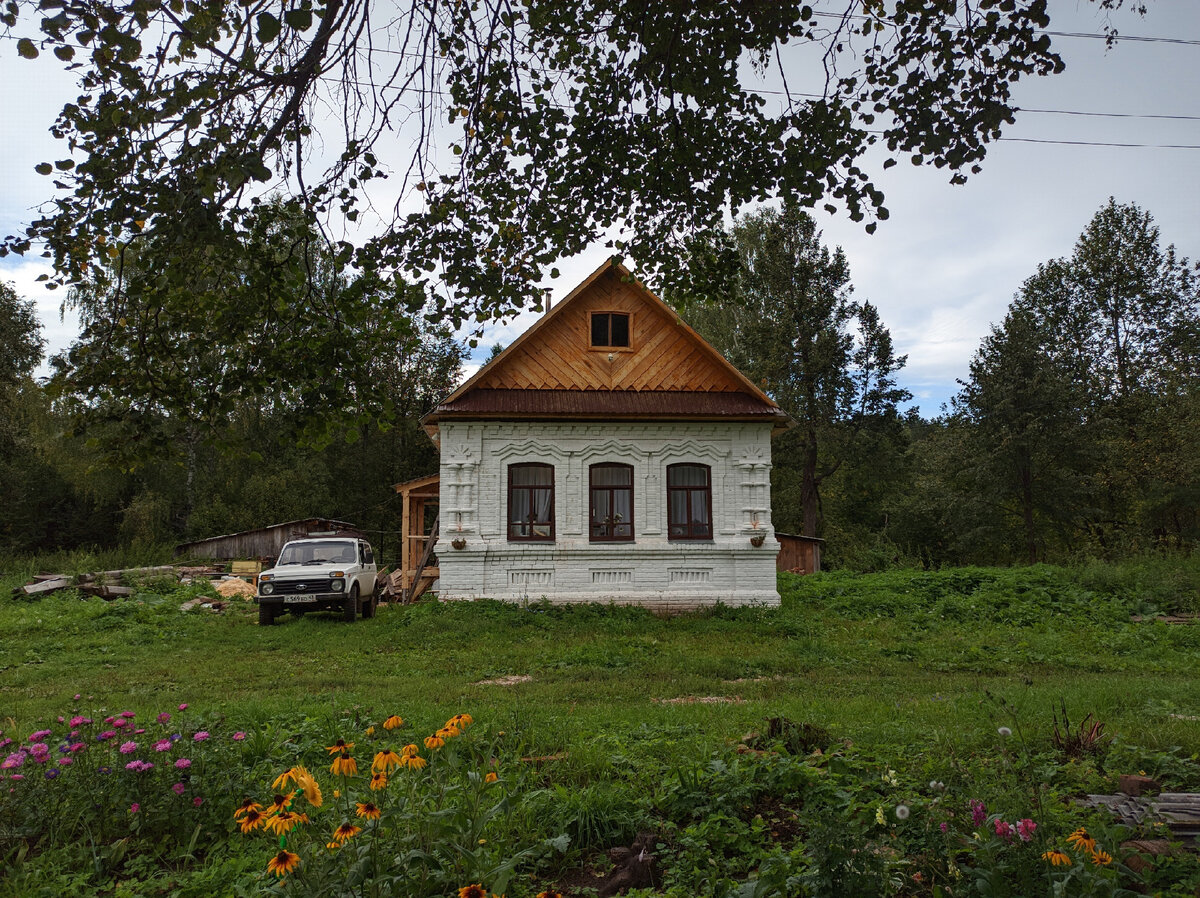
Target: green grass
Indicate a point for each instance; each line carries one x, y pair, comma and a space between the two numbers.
893, 659
907, 670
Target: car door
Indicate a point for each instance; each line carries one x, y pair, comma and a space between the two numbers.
366, 574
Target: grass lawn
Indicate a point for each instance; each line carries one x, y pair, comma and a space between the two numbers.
912, 666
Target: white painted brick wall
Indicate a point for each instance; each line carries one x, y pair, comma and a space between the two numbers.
652, 570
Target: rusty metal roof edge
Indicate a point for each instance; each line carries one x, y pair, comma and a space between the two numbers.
209, 539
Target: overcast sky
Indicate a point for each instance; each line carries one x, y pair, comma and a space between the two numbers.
945, 265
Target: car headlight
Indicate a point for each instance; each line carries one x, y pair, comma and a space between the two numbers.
266, 588
337, 585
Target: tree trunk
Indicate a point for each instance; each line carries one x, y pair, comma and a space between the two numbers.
1026, 475
809, 488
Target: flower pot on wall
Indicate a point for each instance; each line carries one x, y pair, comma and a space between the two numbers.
758, 539
458, 542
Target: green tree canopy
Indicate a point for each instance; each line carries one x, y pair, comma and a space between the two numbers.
514, 134
21, 340
790, 324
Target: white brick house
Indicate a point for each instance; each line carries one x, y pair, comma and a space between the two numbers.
608, 454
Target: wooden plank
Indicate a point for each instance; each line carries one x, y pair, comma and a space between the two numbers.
44, 587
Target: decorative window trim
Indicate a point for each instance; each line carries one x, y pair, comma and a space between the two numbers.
693, 533
592, 489
510, 524
609, 345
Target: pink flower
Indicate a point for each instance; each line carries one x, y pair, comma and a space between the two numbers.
61, 718
39, 748
1004, 830
239, 736
134, 808
163, 717
78, 721
183, 707
128, 748
107, 734
108, 720
1025, 829
162, 745
197, 801
78, 696
66, 762
77, 747
39, 735
178, 788
120, 722
943, 827
978, 812
183, 763
200, 736
138, 731
128, 714
17, 776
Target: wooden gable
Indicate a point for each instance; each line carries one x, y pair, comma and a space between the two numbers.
663, 352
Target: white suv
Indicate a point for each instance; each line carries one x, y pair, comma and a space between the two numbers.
336, 572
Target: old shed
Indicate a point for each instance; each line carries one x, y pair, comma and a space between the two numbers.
262, 542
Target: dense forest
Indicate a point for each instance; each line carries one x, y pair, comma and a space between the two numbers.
189, 411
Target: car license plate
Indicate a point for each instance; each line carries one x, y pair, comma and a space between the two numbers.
297, 600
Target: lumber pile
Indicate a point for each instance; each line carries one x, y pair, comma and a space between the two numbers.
106, 584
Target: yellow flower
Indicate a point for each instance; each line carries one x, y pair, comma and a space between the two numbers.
1101, 858
253, 820
284, 778
432, 742
344, 765
346, 831
393, 722
245, 807
280, 803
367, 811
378, 781
549, 893
449, 731
340, 746
284, 822
879, 818
1081, 840
283, 863
491, 777
371, 730
409, 750
460, 721
1057, 858
385, 761
311, 788
472, 891
416, 762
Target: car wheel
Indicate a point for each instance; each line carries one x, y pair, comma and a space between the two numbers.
350, 605
266, 615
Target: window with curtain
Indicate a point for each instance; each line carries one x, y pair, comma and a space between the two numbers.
611, 505
689, 502
531, 502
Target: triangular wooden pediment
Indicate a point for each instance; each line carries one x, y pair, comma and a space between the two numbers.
664, 354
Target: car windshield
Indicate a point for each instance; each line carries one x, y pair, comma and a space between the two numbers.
318, 551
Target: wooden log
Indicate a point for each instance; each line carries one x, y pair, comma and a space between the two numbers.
116, 575
44, 587
107, 592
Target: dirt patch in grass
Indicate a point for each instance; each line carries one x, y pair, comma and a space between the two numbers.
701, 700
512, 680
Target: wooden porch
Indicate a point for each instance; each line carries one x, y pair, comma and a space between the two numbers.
418, 567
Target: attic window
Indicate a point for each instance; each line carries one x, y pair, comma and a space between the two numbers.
610, 329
